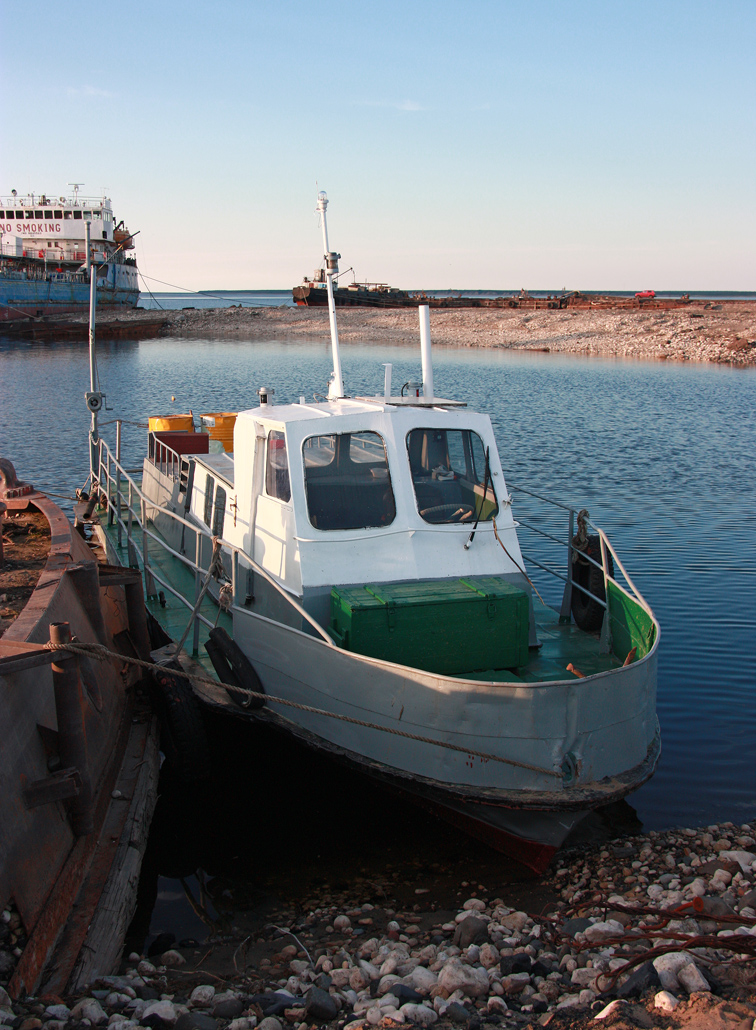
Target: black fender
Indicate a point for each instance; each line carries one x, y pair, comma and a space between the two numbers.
234, 669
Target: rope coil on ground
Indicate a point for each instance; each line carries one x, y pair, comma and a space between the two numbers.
102, 653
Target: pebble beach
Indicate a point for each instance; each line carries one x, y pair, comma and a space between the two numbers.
657, 930
721, 333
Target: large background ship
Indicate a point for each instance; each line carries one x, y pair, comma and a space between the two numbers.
44, 266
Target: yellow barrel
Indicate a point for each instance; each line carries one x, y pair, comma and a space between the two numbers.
219, 425
171, 423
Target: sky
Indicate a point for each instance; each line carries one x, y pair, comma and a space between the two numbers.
486, 145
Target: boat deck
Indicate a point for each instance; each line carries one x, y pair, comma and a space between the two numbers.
562, 643
172, 613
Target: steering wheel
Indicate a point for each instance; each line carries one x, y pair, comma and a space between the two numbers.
456, 513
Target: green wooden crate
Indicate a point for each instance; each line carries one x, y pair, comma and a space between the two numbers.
448, 626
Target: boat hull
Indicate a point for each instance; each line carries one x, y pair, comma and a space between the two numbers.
66, 881
37, 298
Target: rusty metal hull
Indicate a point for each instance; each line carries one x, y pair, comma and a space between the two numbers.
65, 725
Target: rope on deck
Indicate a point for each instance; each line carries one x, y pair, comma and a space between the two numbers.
102, 653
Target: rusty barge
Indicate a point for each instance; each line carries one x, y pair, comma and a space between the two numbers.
79, 766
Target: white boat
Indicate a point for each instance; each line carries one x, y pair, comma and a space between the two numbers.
370, 563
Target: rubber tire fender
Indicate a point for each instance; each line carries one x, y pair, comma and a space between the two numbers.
587, 613
234, 669
182, 731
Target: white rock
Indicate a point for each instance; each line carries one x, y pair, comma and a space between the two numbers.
89, 1008
386, 983
665, 1001
202, 995
513, 983
455, 976
587, 996
745, 859
668, 966
697, 887
720, 879
52, 1011
393, 926
173, 959
420, 1014
497, 1005
146, 968
610, 1009
603, 931
489, 955
373, 1015
474, 905
340, 977
164, 1010
692, 978
584, 977
389, 965
270, 1023
371, 971
569, 1001
515, 921
342, 923
243, 1023
422, 979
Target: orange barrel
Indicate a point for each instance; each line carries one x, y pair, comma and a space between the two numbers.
171, 423
219, 425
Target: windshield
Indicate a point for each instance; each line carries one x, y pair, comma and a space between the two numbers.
450, 476
347, 481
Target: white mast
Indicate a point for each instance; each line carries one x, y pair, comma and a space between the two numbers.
336, 386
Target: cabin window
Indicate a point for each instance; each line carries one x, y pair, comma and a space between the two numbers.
449, 476
77, 214
30, 214
37, 214
58, 214
209, 488
67, 214
19, 214
277, 467
219, 511
348, 482
48, 214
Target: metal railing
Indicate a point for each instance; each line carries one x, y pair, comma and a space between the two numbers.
128, 511
569, 551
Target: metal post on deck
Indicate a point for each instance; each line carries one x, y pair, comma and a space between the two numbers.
197, 591
605, 643
72, 738
564, 612
149, 582
118, 481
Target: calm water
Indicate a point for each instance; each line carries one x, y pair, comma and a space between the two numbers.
661, 454
283, 298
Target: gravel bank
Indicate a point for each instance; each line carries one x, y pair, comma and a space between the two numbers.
720, 333
656, 930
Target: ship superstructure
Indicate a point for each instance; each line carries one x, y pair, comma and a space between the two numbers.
44, 264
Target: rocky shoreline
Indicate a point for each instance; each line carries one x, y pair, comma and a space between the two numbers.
657, 930
722, 333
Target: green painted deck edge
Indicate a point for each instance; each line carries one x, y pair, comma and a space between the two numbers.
629, 623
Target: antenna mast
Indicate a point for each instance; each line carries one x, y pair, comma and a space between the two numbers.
336, 386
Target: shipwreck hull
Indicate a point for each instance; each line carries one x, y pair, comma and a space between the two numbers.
72, 879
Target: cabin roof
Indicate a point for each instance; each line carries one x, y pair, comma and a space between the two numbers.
221, 465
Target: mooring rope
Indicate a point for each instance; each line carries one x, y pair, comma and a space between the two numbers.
102, 653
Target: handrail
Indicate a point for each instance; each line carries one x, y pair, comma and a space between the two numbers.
104, 472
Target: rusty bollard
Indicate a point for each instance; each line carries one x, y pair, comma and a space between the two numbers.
72, 738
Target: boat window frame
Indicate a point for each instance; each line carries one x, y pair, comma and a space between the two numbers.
318, 511
277, 477
207, 515
458, 509
219, 510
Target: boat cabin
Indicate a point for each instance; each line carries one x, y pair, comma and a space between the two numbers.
348, 491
